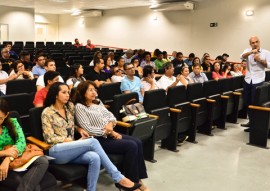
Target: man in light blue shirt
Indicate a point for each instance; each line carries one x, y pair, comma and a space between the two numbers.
132, 83
38, 69
197, 75
257, 60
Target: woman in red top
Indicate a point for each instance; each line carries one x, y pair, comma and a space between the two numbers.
226, 71
216, 72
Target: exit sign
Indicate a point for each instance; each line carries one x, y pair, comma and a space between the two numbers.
213, 24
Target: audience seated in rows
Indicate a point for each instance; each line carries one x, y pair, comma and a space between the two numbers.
76, 76
107, 66
159, 61
19, 70
184, 77
97, 55
89, 45
178, 61
77, 43
138, 69
49, 66
93, 117
39, 69
148, 80
117, 74
190, 59
12, 53
165, 56
4, 78
25, 57
226, 70
206, 64
128, 56
167, 79
197, 75
97, 74
5, 57
147, 60
50, 77
236, 70
132, 83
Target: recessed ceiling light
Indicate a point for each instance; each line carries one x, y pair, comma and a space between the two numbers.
58, 1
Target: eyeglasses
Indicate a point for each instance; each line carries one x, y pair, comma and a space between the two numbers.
91, 90
119, 70
130, 68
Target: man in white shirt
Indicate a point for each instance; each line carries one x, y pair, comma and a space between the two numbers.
49, 66
257, 60
167, 79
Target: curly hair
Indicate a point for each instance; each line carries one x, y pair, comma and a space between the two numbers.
7, 122
52, 93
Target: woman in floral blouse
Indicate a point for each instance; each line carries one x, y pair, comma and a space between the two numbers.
11, 134
58, 130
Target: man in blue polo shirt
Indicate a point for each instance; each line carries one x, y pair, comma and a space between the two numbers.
39, 69
132, 83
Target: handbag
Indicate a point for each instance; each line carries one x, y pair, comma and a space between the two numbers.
30, 151
132, 111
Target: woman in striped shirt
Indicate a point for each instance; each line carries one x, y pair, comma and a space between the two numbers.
92, 116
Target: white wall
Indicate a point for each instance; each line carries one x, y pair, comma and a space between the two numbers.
51, 23
20, 21
186, 31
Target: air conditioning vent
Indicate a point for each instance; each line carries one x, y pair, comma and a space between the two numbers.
90, 13
176, 6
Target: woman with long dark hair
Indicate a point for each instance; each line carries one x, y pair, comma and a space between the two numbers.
11, 134
58, 130
93, 117
76, 76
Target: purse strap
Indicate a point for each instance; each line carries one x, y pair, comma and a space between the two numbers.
131, 101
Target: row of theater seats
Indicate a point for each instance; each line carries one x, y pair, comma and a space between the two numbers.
196, 108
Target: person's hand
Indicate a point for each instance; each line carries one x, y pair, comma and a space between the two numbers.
116, 135
254, 51
11, 152
178, 78
4, 169
257, 58
84, 134
108, 128
12, 77
68, 139
149, 80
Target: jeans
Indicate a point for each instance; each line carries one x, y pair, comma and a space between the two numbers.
28, 180
86, 151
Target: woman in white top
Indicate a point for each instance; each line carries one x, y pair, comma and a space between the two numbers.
148, 81
76, 76
236, 70
185, 79
19, 70
118, 75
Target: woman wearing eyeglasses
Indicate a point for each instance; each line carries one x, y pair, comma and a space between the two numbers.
93, 117
118, 75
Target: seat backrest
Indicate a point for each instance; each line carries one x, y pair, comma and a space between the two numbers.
176, 95
15, 114
19, 86
120, 100
35, 122
154, 99
208, 75
262, 94
225, 85
210, 88
19, 102
107, 91
194, 91
237, 82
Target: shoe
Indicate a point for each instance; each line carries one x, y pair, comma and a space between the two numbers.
247, 130
134, 187
245, 125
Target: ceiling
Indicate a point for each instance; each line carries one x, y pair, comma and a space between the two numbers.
69, 6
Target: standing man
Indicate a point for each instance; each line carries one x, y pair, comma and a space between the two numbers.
257, 60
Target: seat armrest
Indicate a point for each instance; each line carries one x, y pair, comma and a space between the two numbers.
153, 116
107, 106
237, 93
259, 108
123, 124
174, 110
38, 142
211, 100
224, 97
194, 105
